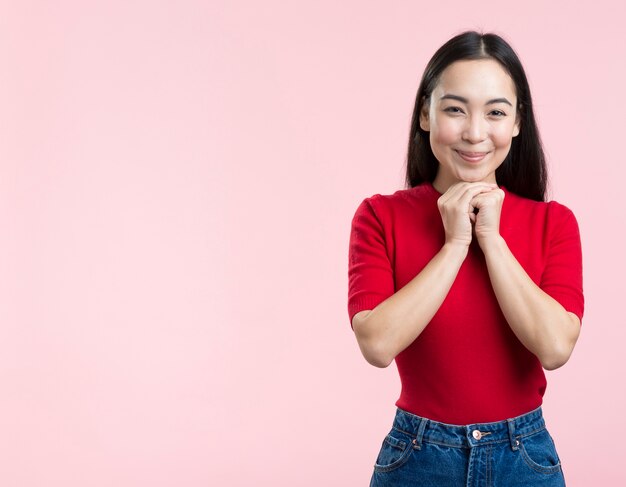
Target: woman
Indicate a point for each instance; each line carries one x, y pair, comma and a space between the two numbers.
469, 280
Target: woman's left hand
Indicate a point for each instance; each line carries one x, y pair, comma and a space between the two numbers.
486, 223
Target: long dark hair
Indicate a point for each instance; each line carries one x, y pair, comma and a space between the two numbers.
523, 171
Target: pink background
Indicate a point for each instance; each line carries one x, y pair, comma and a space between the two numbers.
177, 181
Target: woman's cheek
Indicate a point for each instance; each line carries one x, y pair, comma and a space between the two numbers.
447, 132
503, 136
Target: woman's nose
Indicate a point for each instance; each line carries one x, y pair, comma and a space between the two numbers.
475, 129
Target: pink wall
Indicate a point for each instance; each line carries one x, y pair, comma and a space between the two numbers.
177, 181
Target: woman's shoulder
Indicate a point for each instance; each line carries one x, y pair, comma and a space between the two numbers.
551, 212
423, 192
400, 205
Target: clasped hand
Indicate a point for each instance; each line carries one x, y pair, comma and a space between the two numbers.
458, 206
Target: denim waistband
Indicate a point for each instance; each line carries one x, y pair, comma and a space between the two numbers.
471, 435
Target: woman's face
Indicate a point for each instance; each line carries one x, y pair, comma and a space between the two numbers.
472, 119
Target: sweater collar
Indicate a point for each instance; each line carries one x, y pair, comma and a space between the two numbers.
428, 185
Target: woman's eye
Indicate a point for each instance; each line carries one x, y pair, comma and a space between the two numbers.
498, 113
453, 110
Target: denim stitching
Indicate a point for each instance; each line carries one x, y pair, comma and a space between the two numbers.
406, 453
427, 439
489, 458
544, 469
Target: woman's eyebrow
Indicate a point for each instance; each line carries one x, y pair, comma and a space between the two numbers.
464, 100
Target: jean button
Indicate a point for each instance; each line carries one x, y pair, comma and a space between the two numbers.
477, 434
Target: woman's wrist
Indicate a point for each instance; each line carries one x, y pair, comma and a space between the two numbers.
456, 248
491, 243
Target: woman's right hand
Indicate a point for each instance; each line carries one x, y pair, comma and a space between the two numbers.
455, 208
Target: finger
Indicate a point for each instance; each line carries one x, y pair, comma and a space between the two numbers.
489, 197
464, 189
466, 198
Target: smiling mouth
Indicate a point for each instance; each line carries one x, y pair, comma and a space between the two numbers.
472, 156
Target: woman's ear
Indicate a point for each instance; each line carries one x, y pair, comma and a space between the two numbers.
518, 121
424, 118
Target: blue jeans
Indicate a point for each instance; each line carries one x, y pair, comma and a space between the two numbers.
514, 452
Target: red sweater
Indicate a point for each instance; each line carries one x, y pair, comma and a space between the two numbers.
466, 366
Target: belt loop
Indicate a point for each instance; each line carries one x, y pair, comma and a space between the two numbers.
417, 442
514, 441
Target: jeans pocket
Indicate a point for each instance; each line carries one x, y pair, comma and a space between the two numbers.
394, 452
539, 452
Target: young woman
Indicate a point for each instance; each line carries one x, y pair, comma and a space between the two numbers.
469, 280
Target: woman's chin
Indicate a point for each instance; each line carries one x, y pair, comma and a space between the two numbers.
476, 178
